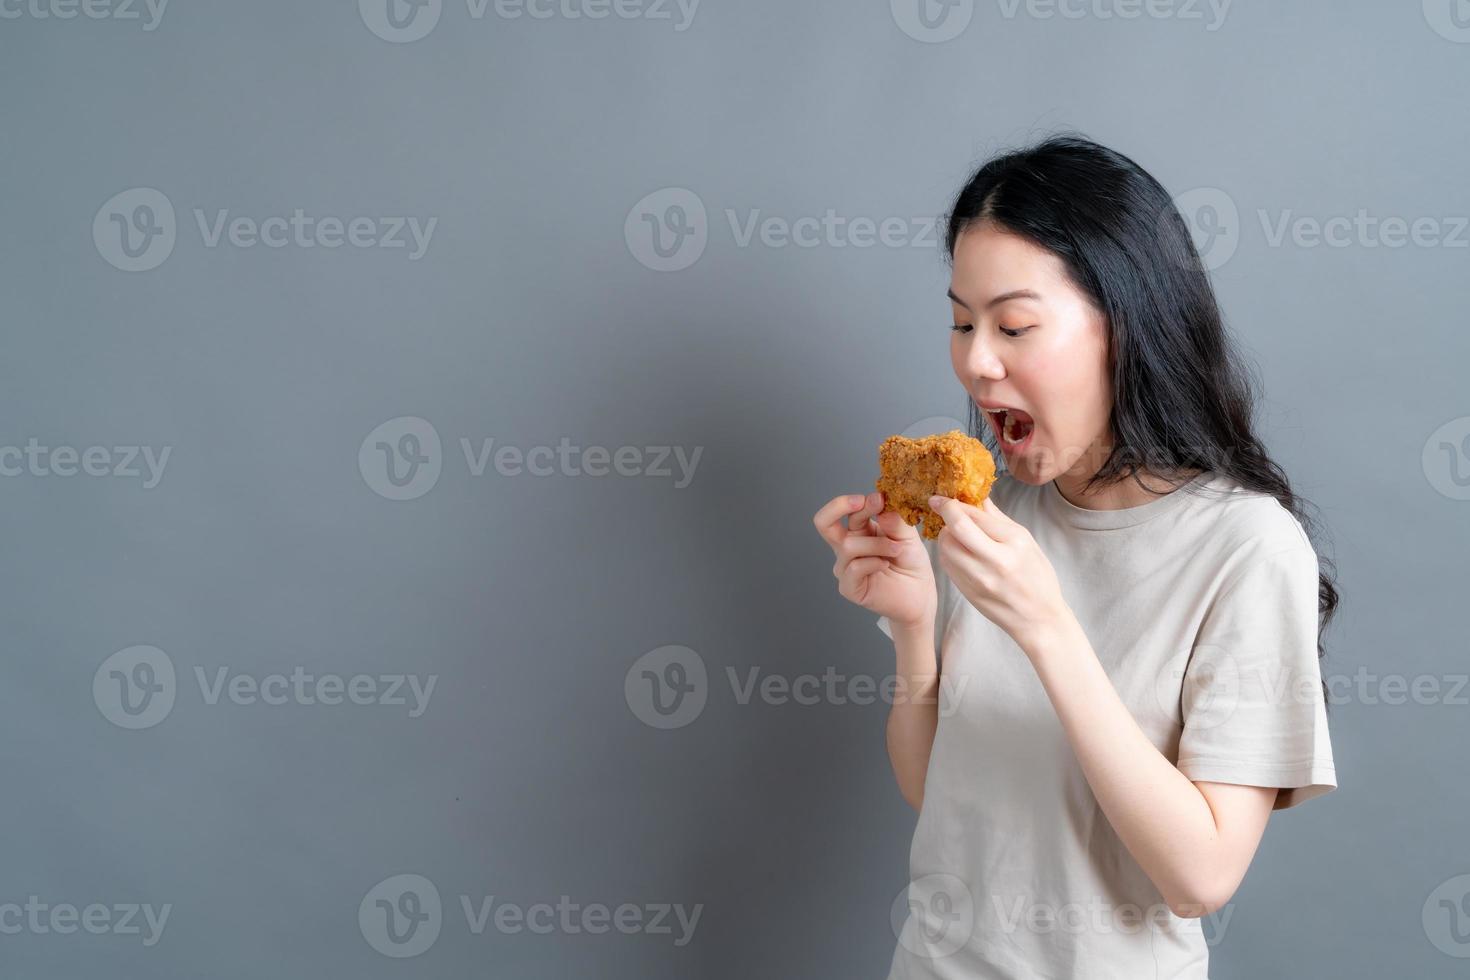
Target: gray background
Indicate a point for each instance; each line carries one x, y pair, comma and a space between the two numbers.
530, 318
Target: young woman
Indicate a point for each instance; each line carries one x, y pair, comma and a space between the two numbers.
1111, 667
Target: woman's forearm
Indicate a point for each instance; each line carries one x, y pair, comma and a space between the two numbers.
914, 716
1160, 815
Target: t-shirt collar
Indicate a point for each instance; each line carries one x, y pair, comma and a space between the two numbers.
1102, 520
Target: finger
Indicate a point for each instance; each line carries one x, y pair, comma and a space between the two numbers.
860, 545
996, 522
828, 520
858, 523
858, 569
892, 525
989, 518
961, 524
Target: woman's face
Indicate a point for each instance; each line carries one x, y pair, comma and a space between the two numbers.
1043, 353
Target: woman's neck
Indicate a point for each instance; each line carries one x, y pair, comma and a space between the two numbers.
1124, 493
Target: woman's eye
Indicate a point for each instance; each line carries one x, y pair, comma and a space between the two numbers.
966, 328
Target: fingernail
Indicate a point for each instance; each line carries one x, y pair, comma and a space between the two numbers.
875, 499
855, 501
936, 501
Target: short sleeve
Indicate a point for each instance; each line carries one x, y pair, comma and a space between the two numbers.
1253, 707
946, 602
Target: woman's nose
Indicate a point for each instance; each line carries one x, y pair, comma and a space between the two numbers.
982, 362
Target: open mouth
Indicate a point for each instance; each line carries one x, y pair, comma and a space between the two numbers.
1012, 426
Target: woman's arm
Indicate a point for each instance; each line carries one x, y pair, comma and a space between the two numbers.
914, 716
1193, 840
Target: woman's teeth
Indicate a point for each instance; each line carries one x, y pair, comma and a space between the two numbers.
1009, 426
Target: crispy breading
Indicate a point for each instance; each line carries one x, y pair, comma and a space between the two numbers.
952, 465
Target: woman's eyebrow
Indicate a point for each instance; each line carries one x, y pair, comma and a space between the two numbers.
1003, 297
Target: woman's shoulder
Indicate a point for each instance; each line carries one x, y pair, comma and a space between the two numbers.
1249, 522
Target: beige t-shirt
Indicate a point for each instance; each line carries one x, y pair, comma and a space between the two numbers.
1202, 606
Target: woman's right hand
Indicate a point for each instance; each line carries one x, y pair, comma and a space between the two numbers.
882, 564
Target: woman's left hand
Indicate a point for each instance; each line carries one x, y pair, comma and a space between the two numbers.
1000, 568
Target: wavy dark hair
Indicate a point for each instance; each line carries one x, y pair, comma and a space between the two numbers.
1183, 397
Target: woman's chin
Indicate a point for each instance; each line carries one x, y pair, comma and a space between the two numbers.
1024, 469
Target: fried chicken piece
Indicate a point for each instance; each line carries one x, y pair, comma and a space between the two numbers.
952, 465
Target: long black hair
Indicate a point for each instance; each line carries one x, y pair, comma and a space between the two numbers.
1183, 397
